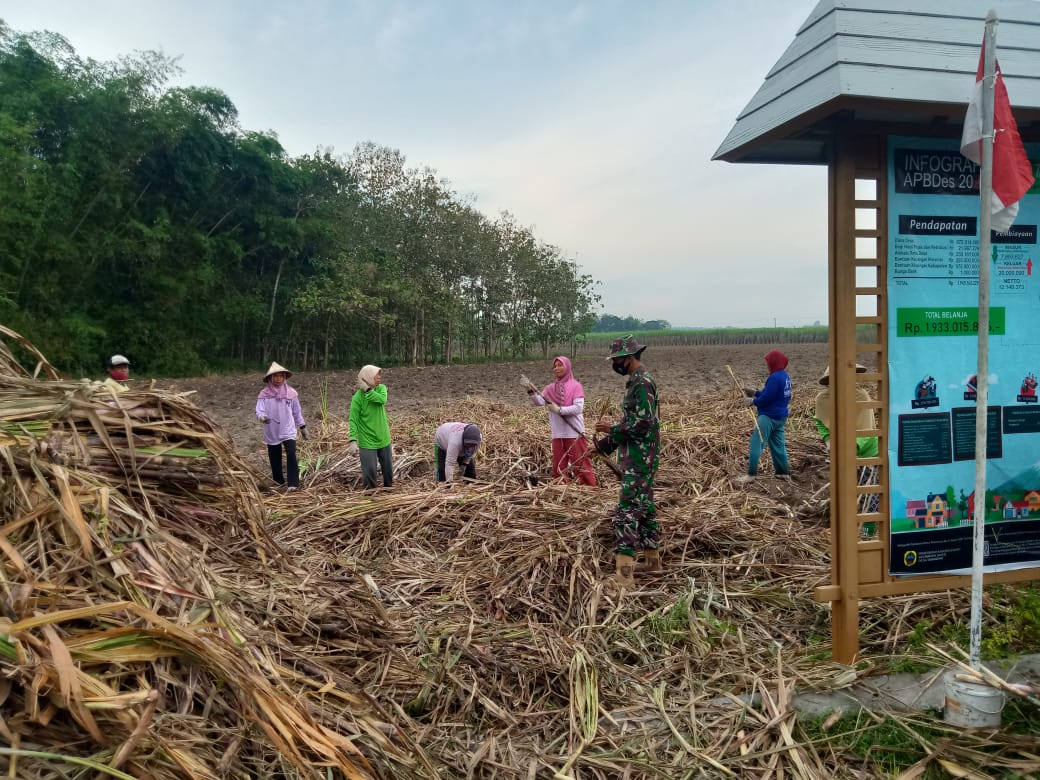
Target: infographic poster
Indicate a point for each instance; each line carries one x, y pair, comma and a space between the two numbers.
933, 294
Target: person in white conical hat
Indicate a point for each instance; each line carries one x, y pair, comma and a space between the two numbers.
278, 409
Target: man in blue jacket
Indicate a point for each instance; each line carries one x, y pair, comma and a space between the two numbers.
773, 402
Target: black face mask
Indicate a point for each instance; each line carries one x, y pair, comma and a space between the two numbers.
620, 366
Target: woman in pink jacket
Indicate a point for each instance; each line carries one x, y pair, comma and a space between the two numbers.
565, 400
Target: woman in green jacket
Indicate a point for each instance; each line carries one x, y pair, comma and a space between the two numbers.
369, 428
866, 446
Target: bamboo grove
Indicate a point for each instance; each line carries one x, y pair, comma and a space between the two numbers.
139, 217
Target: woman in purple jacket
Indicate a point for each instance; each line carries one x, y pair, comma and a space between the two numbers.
278, 408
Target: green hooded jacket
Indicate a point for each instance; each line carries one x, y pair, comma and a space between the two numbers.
368, 424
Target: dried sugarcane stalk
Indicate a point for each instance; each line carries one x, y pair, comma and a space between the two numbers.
740, 387
162, 475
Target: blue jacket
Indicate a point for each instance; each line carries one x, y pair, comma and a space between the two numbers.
774, 399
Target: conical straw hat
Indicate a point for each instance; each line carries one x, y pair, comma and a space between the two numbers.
826, 378
277, 369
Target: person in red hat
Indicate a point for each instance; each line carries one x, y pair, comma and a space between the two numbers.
773, 404
278, 409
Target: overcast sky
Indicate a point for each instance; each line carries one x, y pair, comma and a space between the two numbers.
592, 122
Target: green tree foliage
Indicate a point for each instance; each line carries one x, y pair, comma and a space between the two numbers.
609, 323
140, 218
656, 325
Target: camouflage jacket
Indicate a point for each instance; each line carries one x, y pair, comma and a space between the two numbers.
640, 424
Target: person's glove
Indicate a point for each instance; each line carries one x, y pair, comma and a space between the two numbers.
751, 402
552, 407
749, 392
265, 419
352, 448
303, 432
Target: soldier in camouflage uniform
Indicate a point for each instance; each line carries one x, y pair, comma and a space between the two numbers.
638, 435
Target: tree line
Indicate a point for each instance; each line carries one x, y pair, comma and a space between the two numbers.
139, 217
611, 323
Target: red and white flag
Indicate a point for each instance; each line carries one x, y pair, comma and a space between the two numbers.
1012, 172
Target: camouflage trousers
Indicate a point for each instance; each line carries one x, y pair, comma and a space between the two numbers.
635, 517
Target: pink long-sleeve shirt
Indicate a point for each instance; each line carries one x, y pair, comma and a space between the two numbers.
560, 425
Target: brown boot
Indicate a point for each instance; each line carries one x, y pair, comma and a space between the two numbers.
651, 561
625, 566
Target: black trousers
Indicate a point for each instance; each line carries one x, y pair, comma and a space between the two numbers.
469, 470
274, 454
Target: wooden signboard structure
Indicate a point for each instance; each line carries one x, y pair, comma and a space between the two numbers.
858, 73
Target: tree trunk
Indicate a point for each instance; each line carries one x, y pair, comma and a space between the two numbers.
448, 346
422, 336
328, 343
415, 340
270, 311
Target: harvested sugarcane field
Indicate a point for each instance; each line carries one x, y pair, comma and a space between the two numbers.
171, 612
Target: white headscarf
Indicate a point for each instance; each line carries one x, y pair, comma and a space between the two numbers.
366, 377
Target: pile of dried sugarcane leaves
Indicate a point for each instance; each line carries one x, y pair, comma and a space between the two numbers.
167, 618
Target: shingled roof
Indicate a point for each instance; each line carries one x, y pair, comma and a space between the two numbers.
907, 61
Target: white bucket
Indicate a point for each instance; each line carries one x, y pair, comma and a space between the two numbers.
971, 704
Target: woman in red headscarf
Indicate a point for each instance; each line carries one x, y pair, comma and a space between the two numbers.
565, 400
773, 402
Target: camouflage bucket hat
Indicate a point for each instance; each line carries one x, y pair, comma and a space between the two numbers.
625, 346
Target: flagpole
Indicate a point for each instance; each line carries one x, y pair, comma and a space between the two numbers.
982, 374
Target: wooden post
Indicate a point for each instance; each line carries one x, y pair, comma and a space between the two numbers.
842, 358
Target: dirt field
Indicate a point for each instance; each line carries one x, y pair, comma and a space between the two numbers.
680, 371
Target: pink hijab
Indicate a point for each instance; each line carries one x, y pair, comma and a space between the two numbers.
282, 392
563, 392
